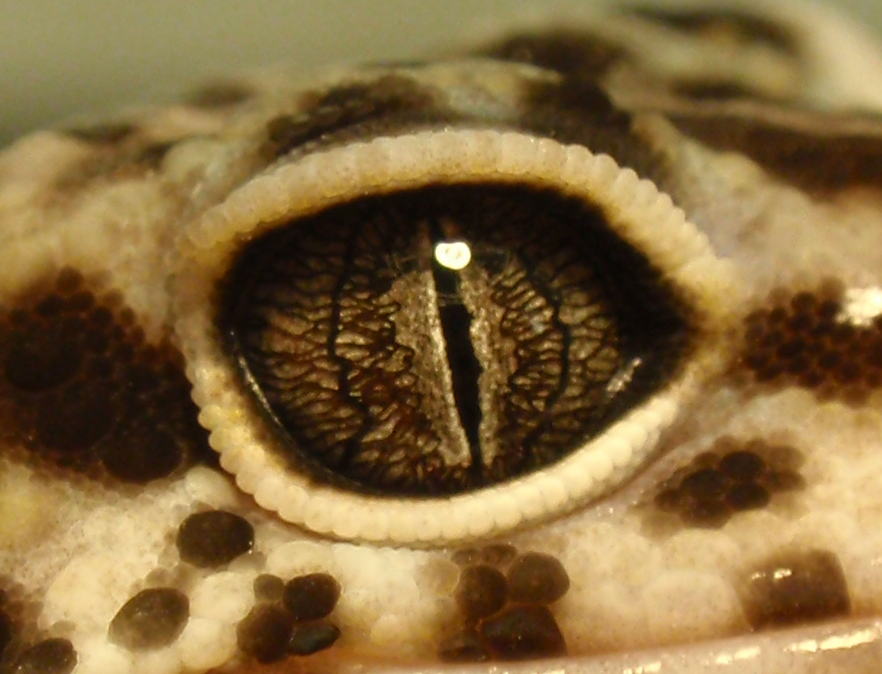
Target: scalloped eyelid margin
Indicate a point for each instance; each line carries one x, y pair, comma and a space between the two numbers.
637, 211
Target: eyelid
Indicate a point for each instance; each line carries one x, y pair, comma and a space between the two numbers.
637, 212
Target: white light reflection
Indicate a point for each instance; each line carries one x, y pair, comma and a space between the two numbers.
861, 306
454, 255
746, 653
836, 642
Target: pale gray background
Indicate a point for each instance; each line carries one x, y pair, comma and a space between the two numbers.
65, 57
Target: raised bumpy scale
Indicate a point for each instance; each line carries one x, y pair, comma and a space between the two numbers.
566, 348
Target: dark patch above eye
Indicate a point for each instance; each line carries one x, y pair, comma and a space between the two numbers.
807, 339
566, 51
578, 109
385, 367
80, 389
796, 588
821, 161
357, 110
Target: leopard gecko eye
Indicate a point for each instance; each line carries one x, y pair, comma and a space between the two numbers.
443, 335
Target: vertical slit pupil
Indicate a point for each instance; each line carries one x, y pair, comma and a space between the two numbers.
464, 366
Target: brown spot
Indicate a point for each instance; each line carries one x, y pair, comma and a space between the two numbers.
804, 342
536, 578
151, 619
731, 477
52, 656
796, 589
311, 597
268, 587
498, 554
522, 633
81, 390
312, 637
464, 646
214, 538
482, 591
467, 556
264, 633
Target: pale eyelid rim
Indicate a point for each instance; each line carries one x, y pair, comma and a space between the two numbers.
638, 213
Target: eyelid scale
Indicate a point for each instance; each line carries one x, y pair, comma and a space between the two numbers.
746, 531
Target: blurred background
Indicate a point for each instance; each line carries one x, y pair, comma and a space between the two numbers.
68, 58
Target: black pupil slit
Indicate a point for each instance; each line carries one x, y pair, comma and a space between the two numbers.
464, 366
447, 338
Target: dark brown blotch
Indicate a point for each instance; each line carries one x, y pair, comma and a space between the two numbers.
51, 656
806, 341
311, 597
732, 477
522, 633
81, 389
796, 588
152, 619
214, 538
537, 578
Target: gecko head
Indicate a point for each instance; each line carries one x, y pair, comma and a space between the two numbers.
444, 335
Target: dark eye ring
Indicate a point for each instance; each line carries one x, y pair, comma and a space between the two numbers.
271, 423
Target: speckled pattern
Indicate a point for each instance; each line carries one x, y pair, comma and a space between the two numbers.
195, 297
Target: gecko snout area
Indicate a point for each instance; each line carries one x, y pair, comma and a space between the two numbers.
493, 325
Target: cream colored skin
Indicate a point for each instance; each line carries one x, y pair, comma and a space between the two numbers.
640, 601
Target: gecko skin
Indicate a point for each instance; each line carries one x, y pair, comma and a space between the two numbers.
562, 352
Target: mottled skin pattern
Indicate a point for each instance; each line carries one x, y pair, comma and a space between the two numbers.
747, 542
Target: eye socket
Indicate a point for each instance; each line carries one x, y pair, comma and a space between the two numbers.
441, 336
447, 338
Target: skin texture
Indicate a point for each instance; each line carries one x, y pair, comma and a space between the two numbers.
154, 519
